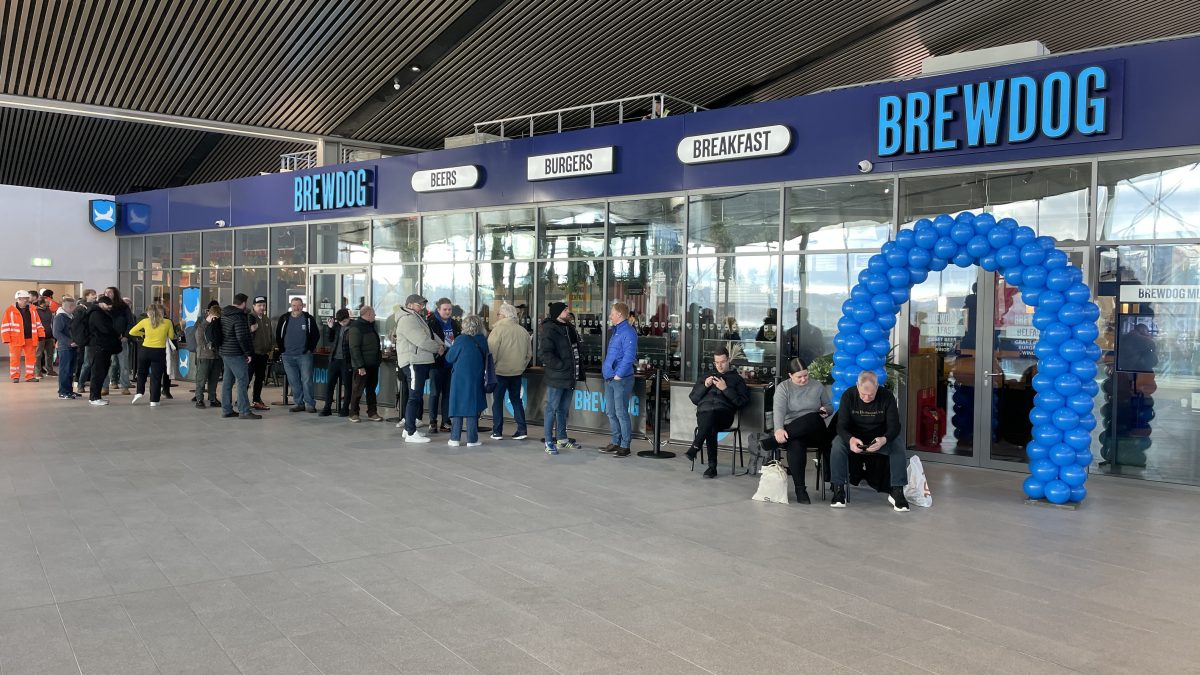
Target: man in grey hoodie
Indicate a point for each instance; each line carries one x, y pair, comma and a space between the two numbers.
416, 349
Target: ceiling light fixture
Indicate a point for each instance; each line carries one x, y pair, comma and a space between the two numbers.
396, 83
415, 69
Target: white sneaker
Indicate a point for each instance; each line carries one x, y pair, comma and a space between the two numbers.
454, 444
136, 397
99, 401
400, 424
476, 444
497, 438
153, 404
414, 437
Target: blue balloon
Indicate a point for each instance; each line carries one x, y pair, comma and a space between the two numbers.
1078, 494
988, 262
838, 389
1055, 334
883, 304
1086, 332
1084, 457
888, 247
1087, 422
905, 239
1054, 365
1041, 416
1076, 274
1034, 488
999, 236
897, 257
943, 223
1065, 418
1008, 222
886, 321
1043, 470
978, 246
852, 343
1023, 235
1008, 256
1091, 312
1068, 385
878, 264
900, 295
1051, 301
919, 258
838, 372
922, 223
1037, 451
1034, 277
1078, 438
1049, 399
1080, 402
1042, 350
861, 311
1062, 455
917, 275
1058, 279
1031, 296
1090, 387
1055, 259
961, 233
1084, 370
898, 278
984, 222
1047, 434
945, 248
1043, 382
847, 325
876, 284
938, 264
1092, 352
965, 218
1072, 350
1045, 242
843, 358
871, 330
1057, 492
868, 360
859, 292
881, 375
1015, 276
881, 347
964, 259
926, 238
1043, 319
1071, 314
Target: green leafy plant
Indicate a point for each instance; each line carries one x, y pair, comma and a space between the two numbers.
821, 370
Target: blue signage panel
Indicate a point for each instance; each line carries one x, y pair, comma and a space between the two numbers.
103, 214
1054, 105
341, 189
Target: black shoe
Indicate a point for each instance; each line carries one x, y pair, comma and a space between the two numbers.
229, 414
711, 472
200, 404
897, 500
432, 430
296, 408
621, 452
802, 496
324, 413
692, 453
214, 403
610, 448
251, 416
167, 394
312, 409
344, 413
445, 429
838, 501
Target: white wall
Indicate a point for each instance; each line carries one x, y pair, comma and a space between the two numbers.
53, 224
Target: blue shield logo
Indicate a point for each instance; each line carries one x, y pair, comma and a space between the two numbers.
103, 214
137, 217
185, 362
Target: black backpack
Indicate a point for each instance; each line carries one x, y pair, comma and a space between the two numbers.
214, 333
81, 332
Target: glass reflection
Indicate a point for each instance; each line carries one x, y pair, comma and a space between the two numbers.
506, 282
453, 281
814, 288
574, 231
448, 237
580, 284
838, 216
646, 227
288, 245
396, 240
653, 289
251, 246
187, 250
942, 338
333, 243
158, 251
732, 302
286, 283
218, 249
390, 285
1153, 198
734, 222
510, 234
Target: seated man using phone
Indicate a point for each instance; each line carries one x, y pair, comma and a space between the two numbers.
718, 398
868, 422
801, 411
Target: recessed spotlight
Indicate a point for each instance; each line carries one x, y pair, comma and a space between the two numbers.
415, 69
396, 83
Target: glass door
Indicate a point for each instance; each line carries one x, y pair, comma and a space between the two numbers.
335, 288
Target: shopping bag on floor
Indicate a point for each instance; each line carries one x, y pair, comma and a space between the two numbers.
773, 484
917, 490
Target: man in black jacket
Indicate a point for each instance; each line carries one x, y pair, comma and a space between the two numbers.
558, 351
365, 358
296, 336
237, 350
718, 399
443, 324
868, 421
337, 332
105, 343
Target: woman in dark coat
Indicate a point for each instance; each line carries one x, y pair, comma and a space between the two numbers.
468, 357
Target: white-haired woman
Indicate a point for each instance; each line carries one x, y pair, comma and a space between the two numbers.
511, 349
468, 357
155, 331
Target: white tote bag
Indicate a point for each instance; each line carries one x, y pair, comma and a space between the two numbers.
917, 490
172, 360
772, 484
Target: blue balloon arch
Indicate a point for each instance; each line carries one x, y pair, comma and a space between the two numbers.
1065, 315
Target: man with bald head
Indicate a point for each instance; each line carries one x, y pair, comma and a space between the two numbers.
365, 358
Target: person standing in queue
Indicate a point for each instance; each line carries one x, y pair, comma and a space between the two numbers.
83, 367
468, 358
800, 409
417, 346
337, 334
558, 350
617, 371
511, 348
717, 398
155, 332
237, 349
123, 320
868, 421
264, 344
105, 342
45, 346
208, 361
22, 332
443, 323
68, 351
365, 358
296, 336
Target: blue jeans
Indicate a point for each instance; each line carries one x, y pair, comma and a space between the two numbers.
472, 425
557, 402
66, 369
616, 405
118, 372
510, 384
235, 368
299, 374
415, 374
85, 371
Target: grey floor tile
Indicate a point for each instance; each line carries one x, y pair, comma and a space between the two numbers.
104, 639
33, 641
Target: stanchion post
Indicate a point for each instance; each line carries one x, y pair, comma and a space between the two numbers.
657, 452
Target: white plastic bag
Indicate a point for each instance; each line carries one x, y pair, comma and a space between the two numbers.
773, 484
917, 490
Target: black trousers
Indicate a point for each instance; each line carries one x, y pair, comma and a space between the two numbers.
806, 431
258, 373
708, 423
101, 360
366, 382
439, 394
152, 363
339, 371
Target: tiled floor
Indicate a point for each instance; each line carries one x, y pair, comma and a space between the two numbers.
139, 540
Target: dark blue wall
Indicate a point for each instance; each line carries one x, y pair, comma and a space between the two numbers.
1152, 106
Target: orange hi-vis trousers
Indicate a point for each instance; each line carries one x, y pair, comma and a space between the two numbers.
29, 350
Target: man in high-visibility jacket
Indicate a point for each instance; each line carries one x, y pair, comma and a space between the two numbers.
21, 331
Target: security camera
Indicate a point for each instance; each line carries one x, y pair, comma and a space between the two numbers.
865, 166
220, 223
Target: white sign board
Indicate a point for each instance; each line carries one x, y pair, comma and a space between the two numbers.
452, 178
569, 164
736, 144
1170, 293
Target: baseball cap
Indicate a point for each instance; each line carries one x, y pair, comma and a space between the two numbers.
416, 297
21, 294
260, 298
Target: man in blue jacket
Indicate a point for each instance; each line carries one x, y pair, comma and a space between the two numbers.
618, 379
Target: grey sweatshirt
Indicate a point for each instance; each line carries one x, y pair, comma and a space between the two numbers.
793, 401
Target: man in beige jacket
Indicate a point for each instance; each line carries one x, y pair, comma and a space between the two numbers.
512, 349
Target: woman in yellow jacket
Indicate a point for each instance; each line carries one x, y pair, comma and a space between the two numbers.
155, 331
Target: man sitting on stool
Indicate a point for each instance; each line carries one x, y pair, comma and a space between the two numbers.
718, 398
868, 421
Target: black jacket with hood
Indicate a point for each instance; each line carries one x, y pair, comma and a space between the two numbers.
102, 334
558, 350
236, 339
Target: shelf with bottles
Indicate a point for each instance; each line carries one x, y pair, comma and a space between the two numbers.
757, 362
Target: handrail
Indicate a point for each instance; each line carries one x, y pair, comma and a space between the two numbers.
663, 102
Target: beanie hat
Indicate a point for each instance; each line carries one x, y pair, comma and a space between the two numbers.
557, 308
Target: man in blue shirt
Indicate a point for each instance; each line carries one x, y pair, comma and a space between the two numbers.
296, 336
618, 379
